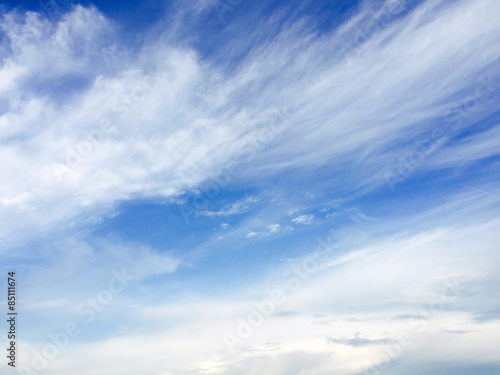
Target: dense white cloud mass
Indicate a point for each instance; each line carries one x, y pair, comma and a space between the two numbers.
87, 123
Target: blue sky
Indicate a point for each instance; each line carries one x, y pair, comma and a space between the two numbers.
235, 187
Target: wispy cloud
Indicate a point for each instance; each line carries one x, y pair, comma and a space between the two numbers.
274, 228
360, 341
237, 208
270, 230
75, 167
252, 234
303, 220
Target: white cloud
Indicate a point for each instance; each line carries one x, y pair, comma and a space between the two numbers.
303, 220
252, 234
273, 228
270, 230
237, 208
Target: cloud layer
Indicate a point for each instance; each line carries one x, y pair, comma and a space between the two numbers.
92, 124
397, 104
